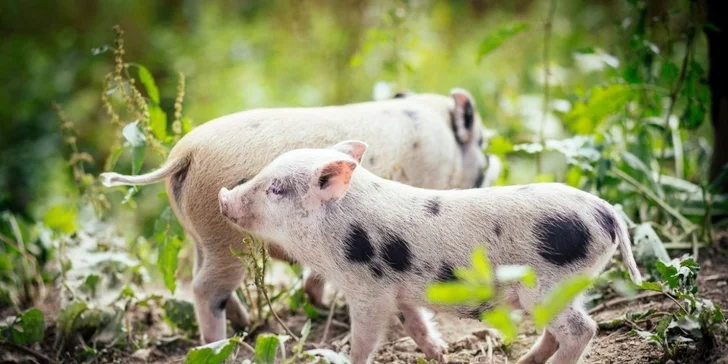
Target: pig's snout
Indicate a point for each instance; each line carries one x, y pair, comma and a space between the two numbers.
226, 202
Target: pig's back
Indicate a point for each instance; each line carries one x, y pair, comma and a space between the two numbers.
407, 142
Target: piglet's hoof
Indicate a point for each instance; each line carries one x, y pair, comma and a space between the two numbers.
435, 349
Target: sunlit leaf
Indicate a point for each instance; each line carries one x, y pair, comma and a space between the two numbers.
266, 347
497, 37
456, 293
481, 265
558, 298
500, 319
69, 315
148, 81
62, 218
158, 122
114, 157
516, 273
329, 355
213, 353
499, 146
648, 243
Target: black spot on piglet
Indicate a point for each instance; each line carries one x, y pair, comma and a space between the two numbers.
396, 253
376, 270
358, 247
433, 206
563, 239
606, 221
446, 273
400, 316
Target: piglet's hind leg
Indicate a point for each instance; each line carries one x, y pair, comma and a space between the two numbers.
421, 329
573, 330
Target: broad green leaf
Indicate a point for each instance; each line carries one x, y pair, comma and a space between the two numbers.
497, 37
62, 218
213, 353
500, 319
114, 157
181, 314
266, 347
669, 72
516, 273
499, 146
558, 298
158, 122
137, 140
148, 81
28, 328
481, 265
168, 259
456, 293
648, 244
69, 315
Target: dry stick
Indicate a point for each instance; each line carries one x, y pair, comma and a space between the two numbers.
546, 69
267, 300
329, 319
28, 351
619, 300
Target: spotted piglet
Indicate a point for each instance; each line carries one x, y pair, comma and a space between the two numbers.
382, 242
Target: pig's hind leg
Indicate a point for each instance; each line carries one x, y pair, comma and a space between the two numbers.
420, 327
217, 275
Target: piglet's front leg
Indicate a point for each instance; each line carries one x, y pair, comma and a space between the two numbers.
369, 321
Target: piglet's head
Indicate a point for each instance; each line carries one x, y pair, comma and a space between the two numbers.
290, 193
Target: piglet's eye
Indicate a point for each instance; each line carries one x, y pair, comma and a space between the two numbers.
276, 189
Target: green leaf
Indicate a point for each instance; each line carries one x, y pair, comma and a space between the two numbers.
213, 353
305, 331
28, 329
167, 261
134, 135
669, 72
331, 356
500, 319
499, 146
181, 314
651, 286
148, 81
456, 293
158, 122
559, 297
497, 37
61, 218
69, 315
648, 244
516, 273
481, 266
694, 115
137, 140
266, 346
114, 157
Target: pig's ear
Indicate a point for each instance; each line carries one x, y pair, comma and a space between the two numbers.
463, 115
352, 148
331, 180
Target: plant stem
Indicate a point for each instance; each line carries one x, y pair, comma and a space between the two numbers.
548, 25
686, 224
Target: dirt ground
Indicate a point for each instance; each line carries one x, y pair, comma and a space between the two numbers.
469, 341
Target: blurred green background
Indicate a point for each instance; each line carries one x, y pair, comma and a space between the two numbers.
238, 55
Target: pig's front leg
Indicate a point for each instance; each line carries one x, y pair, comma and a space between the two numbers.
369, 320
421, 329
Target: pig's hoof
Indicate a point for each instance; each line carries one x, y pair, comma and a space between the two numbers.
435, 349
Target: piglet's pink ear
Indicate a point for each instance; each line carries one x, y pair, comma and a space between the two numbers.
352, 148
331, 180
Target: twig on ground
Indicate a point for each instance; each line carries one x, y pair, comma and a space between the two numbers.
42, 358
620, 300
329, 319
489, 341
